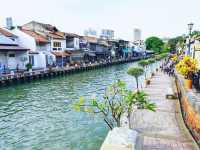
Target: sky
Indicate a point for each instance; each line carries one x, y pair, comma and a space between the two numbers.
162, 18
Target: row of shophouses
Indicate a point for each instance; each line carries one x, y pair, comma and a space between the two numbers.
43, 45
192, 47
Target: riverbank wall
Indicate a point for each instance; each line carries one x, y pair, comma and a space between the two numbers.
190, 106
27, 77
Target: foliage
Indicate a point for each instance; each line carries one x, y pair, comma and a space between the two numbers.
187, 66
144, 64
177, 41
136, 72
151, 60
29, 66
154, 43
166, 47
158, 57
195, 33
116, 101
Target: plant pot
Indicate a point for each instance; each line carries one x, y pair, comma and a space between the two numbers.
152, 74
146, 82
188, 83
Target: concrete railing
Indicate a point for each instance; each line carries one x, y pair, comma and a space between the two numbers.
122, 139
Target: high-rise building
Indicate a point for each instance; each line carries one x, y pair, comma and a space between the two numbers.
90, 32
107, 34
137, 34
9, 23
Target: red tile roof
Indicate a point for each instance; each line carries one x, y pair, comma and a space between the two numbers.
60, 54
90, 39
56, 35
6, 33
38, 37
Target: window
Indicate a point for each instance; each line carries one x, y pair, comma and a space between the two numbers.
11, 55
31, 60
56, 44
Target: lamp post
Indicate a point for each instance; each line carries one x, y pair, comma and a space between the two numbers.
190, 26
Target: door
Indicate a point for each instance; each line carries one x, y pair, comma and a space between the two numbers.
12, 63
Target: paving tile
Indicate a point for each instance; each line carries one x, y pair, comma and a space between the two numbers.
161, 129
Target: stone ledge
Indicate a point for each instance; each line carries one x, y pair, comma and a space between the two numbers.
122, 139
190, 104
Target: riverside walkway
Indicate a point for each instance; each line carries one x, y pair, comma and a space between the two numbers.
163, 129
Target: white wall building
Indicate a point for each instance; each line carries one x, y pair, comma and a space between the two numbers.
39, 47
12, 56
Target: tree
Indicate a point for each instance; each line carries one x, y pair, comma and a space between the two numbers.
136, 72
195, 33
166, 47
144, 64
177, 41
117, 100
154, 43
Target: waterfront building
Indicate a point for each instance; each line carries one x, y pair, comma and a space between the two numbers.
116, 52
39, 54
195, 48
98, 48
47, 41
74, 47
107, 34
12, 56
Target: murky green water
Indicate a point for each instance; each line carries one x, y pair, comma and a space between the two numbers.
39, 116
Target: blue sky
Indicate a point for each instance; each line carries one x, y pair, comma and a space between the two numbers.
163, 18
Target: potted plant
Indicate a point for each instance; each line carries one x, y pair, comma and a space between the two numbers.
187, 66
151, 61
136, 72
144, 64
29, 67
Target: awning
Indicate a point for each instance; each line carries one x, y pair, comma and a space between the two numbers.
33, 52
12, 48
91, 54
61, 54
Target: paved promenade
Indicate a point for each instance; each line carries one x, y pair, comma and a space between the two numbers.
163, 129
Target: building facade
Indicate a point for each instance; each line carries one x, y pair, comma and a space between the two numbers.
107, 34
137, 34
12, 56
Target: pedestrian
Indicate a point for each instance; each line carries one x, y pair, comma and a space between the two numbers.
1, 69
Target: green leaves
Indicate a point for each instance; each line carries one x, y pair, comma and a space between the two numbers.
143, 63
154, 43
116, 101
135, 71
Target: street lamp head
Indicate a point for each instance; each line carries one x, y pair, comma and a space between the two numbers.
190, 26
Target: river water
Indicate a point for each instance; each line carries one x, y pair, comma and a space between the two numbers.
39, 115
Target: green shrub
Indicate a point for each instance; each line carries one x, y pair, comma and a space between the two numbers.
136, 72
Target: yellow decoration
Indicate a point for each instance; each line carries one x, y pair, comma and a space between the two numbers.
174, 58
187, 66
